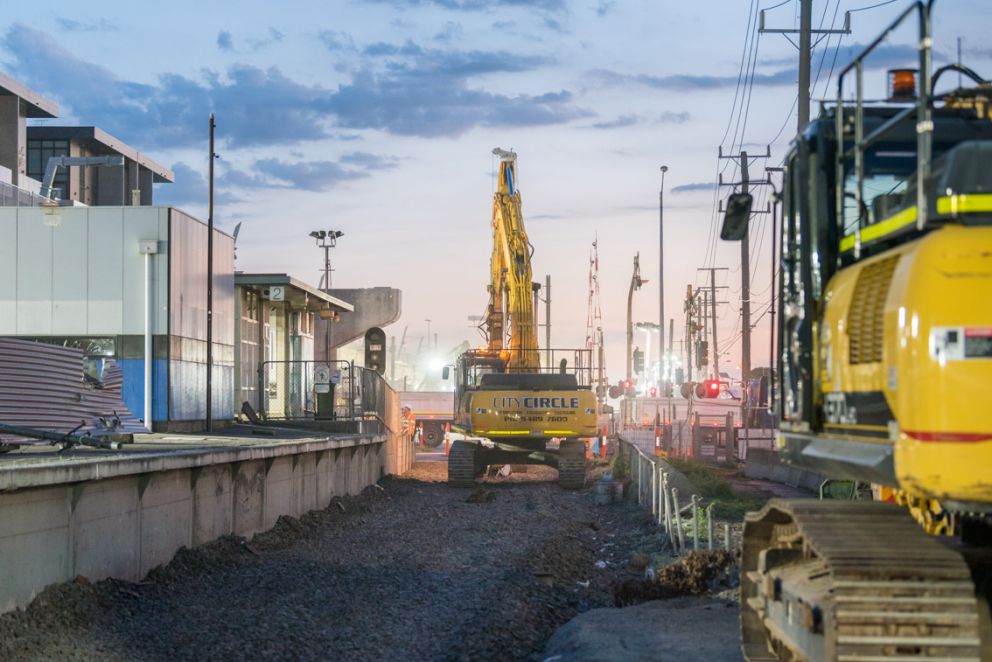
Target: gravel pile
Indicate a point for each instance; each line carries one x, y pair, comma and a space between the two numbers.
413, 570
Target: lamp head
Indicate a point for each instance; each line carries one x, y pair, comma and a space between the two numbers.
664, 168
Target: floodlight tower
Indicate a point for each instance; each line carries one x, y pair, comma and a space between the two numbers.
327, 239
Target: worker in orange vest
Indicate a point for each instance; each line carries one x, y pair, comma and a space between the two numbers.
408, 422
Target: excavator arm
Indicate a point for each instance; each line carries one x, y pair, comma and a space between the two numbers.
510, 318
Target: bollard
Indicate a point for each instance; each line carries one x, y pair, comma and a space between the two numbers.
695, 523
588, 452
664, 495
661, 507
654, 490
602, 444
677, 522
447, 445
726, 536
709, 527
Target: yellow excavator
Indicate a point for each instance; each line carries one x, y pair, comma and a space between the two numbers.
883, 377
510, 409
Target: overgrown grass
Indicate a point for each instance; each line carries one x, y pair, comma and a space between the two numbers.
728, 504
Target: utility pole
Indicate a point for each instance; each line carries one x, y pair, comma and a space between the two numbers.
635, 284
690, 330
210, 278
713, 302
745, 293
805, 47
661, 277
547, 317
716, 353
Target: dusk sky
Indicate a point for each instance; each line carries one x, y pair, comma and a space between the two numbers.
377, 118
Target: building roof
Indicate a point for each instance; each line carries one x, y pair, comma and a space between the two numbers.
36, 105
301, 288
100, 142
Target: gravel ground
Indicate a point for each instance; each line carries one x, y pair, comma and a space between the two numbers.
413, 571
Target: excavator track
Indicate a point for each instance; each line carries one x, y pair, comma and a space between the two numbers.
461, 464
853, 581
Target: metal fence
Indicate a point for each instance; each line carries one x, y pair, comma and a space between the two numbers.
330, 390
689, 525
13, 196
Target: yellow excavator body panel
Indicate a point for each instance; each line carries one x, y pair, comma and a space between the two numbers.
905, 356
508, 414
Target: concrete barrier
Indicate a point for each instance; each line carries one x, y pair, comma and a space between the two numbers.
122, 516
767, 464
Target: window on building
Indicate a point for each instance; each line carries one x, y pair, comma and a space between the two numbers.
39, 151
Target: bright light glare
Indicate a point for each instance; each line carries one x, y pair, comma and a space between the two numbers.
435, 363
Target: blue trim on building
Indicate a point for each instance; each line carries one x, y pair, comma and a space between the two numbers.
133, 388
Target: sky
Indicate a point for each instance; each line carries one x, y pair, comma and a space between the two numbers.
377, 118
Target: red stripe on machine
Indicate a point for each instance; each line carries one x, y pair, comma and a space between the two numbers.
953, 437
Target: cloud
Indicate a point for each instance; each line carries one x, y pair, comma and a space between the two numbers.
478, 5
190, 188
883, 57
405, 90
604, 7
411, 90
87, 25
619, 123
667, 117
272, 36
691, 188
685, 82
449, 33
334, 40
305, 175
369, 161
254, 107
225, 41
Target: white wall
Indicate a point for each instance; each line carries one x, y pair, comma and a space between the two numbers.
83, 276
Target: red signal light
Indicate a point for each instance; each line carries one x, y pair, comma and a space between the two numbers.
654, 392
712, 388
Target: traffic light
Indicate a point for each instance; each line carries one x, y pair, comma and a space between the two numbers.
638, 361
703, 353
628, 387
654, 392
711, 388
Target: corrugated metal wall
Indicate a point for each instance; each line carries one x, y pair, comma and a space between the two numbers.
188, 320
42, 386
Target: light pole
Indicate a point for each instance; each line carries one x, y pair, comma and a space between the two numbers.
662, 378
327, 239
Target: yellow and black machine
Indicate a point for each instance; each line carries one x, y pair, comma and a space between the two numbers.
510, 408
884, 377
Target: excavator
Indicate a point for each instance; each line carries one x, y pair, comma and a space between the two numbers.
510, 408
883, 376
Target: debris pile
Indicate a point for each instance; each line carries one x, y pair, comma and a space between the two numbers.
696, 573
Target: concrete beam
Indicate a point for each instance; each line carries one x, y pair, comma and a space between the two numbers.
374, 306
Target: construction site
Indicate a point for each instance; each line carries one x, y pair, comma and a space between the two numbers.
475, 430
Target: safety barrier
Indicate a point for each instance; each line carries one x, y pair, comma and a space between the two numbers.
663, 490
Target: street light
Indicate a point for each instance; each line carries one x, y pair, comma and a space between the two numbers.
661, 273
327, 239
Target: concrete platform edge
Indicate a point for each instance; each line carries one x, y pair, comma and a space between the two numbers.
122, 522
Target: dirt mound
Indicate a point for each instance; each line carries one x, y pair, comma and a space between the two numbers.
696, 573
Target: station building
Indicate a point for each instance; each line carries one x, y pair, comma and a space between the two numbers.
93, 264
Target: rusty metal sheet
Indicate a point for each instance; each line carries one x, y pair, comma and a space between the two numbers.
42, 386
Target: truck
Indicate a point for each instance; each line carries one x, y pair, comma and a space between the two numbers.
511, 408
433, 414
